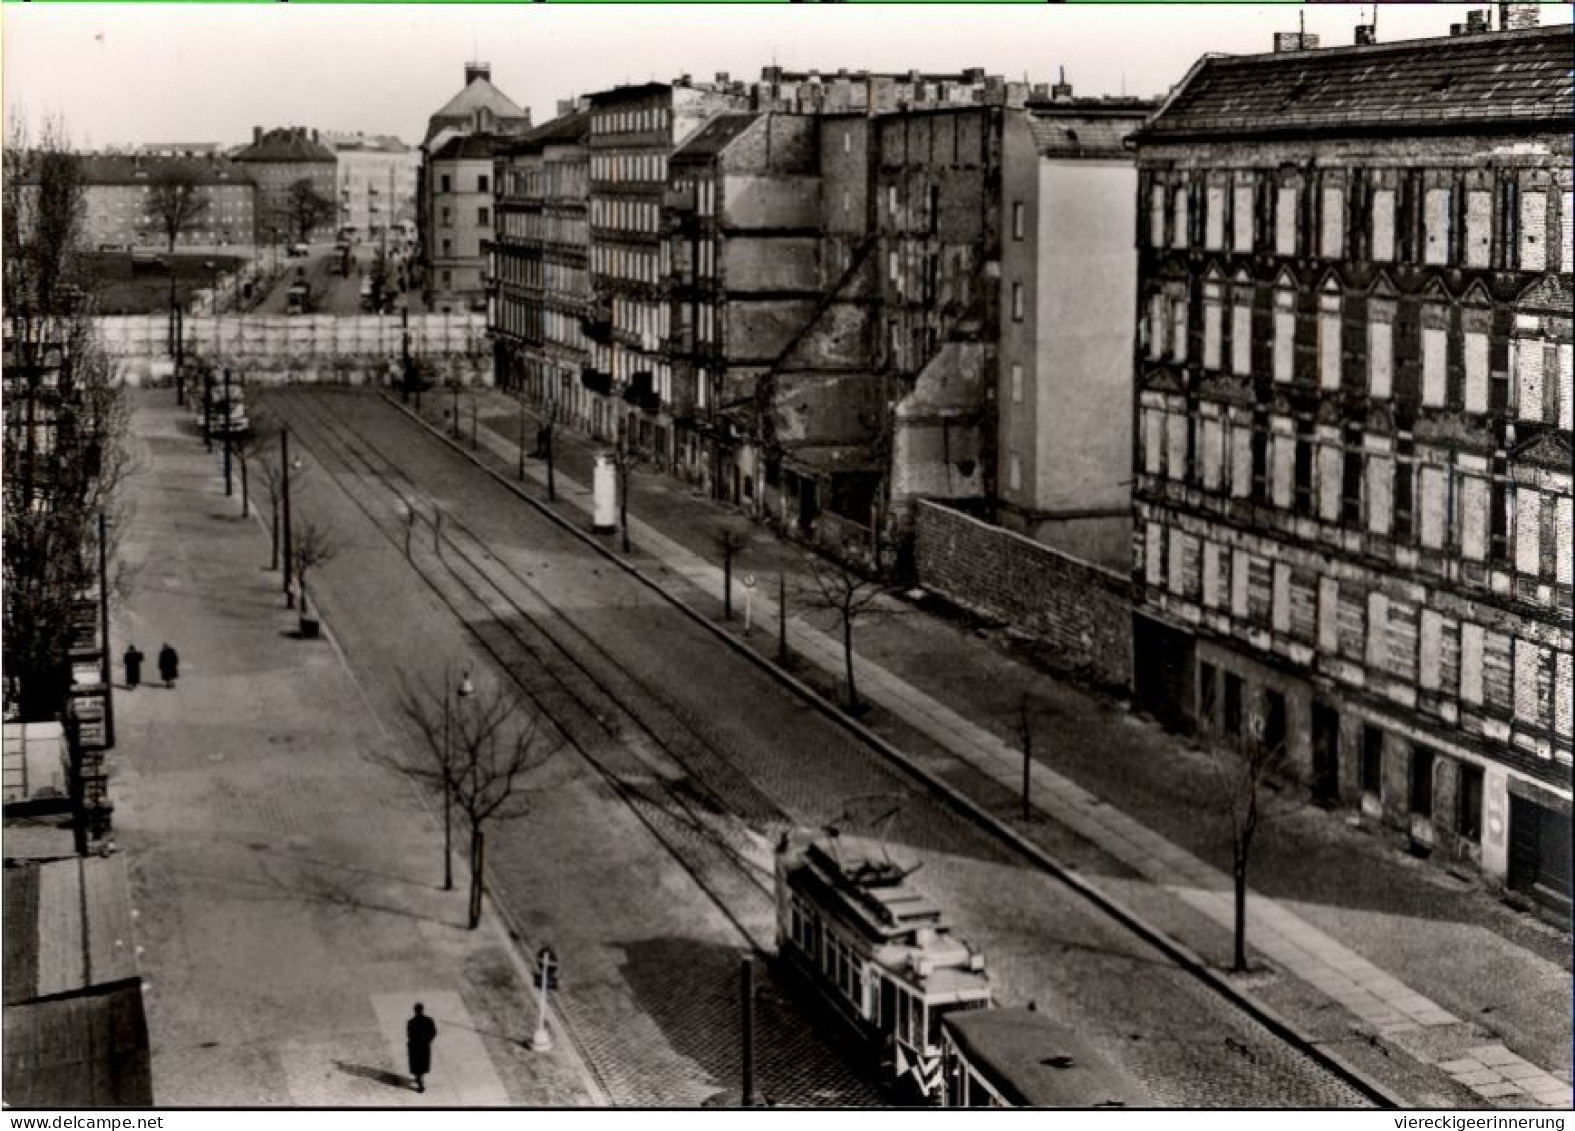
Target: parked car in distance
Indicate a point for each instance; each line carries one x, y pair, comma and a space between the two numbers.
298, 251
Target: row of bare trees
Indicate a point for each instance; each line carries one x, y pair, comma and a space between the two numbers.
177, 202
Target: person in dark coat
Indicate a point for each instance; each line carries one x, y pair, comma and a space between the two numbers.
134, 660
169, 665
420, 1032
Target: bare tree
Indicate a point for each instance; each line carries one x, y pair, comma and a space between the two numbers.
840, 589
1243, 774
730, 541
313, 548
475, 754
176, 202
626, 458
306, 208
247, 447
65, 420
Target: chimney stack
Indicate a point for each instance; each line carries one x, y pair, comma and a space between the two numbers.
1285, 41
474, 71
1477, 21
1517, 17
256, 135
1366, 35
1062, 90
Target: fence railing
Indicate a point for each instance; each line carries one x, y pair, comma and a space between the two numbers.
302, 337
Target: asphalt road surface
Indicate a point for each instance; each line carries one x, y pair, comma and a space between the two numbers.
645, 860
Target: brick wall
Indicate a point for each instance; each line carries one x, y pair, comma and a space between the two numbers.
1083, 611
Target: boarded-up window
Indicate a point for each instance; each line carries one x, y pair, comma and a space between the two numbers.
1401, 659
1380, 358
1282, 597
1528, 378
1154, 554
1497, 684
1479, 228
1472, 641
1153, 440
1449, 656
1156, 216
1332, 235
1191, 567
1178, 229
1473, 518
1176, 444
1330, 467
1383, 213
1213, 589
1563, 539
1528, 531
1285, 202
1213, 317
1476, 350
1214, 219
1241, 219
1434, 353
1241, 339
1178, 329
1351, 623
1240, 580
1213, 453
1533, 231
1240, 461
1284, 468
1380, 492
1435, 507
1378, 638
1432, 631
1329, 348
1435, 219
1284, 342
1328, 615
1304, 607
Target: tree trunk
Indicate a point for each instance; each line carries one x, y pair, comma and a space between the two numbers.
847, 653
273, 545
1239, 870
478, 862
246, 497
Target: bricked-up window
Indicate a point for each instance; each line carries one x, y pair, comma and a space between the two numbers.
1530, 359
1404, 491
1214, 218
1351, 623
1331, 479
1216, 574
1242, 214
1528, 531
1563, 539
1156, 326
1303, 606
1259, 589
1329, 340
1154, 555
1383, 226
1402, 641
1241, 455
1284, 462
1479, 228
1153, 440
1241, 333
1474, 503
1563, 694
1380, 348
1567, 232
1286, 202
1533, 683
1476, 362
1435, 353
1305, 444
1179, 311
1422, 781
1566, 385
1437, 214
1468, 803
1435, 506
1212, 471
1284, 334
1331, 237
1533, 230
1497, 673
1177, 427
1213, 318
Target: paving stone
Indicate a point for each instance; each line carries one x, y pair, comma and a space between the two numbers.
1465, 1064
1494, 1055
1479, 1078
1524, 1070
1496, 1091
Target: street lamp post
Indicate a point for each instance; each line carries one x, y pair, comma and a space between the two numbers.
103, 614
464, 691
229, 484
289, 550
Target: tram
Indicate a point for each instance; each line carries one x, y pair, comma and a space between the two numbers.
1022, 1058
880, 952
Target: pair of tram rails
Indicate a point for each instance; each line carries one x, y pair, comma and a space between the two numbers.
883, 956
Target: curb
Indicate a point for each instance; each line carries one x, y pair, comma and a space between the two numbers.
1176, 951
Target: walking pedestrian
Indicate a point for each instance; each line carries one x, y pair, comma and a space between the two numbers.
420, 1032
169, 665
133, 660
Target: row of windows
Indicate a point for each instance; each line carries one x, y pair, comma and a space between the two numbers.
1479, 666
627, 215
1395, 489
704, 319
629, 167
625, 121
446, 182
553, 180
548, 227
562, 279
623, 363
638, 265
483, 217
648, 320
1468, 220
1542, 371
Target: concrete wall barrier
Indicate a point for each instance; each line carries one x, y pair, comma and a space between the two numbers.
1083, 611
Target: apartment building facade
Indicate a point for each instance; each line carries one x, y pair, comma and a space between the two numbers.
116, 191
1353, 398
376, 182
278, 159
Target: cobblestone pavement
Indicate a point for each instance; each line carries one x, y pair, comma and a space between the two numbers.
642, 960
284, 887
1346, 908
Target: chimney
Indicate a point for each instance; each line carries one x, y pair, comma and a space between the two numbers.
1517, 17
1062, 90
1477, 21
1285, 41
1366, 35
314, 136
256, 135
474, 71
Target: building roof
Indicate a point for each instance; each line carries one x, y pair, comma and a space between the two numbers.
1073, 135
289, 144
1034, 1061
472, 147
562, 130
84, 1050
716, 135
1454, 82
143, 170
66, 926
602, 97
480, 94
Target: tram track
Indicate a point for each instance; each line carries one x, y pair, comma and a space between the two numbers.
693, 815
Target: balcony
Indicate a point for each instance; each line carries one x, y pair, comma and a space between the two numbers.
596, 380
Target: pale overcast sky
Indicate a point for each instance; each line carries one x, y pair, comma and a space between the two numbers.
121, 74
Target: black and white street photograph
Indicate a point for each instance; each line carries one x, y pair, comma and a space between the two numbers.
613, 558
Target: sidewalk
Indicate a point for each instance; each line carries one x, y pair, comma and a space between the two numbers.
288, 913
1421, 979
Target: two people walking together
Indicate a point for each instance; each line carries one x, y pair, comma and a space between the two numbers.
169, 666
